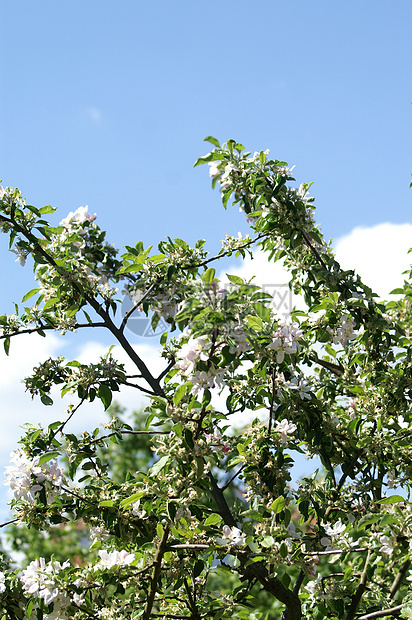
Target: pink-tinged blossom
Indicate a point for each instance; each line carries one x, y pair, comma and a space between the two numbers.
215, 439
314, 587
213, 169
291, 529
344, 331
39, 580
204, 380
285, 428
387, 543
196, 349
231, 536
108, 559
332, 534
26, 477
80, 216
241, 343
285, 339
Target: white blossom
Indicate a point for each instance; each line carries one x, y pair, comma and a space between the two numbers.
344, 331
387, 544
39, 580
285, 339
26, 477
332, 534
80, 216
2, 582
108, 559
285, 428
231, 536
191, 352
98, 532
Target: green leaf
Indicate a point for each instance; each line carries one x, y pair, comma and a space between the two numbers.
107, 502
268, 541
6, 345
255, 322
105, 395
278, 505
198, 567
212, 140
213, 519
46, 400
47, 456
47, 209
209, 275
132, 499
392, 499
30, 294
179, 393
159, 465
235, 279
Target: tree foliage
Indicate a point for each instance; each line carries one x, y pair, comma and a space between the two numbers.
211, 526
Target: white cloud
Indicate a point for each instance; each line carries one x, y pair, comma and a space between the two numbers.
18, 407
379, 254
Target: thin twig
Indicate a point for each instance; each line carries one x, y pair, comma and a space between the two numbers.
8, 522
125, 432
188, 546
43, 328
233, 477
136, 305
383, 612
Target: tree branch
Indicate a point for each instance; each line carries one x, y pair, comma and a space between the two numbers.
155, 575
356, 598
383, 612
256, 570
399, 578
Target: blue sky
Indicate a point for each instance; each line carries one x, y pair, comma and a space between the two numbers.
107, 103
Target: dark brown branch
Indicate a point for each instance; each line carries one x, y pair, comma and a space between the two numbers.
157, 565
127, 432
295, 590
272, 402
136, 305
43, 328
256, 570
8, 522
233, 477
399, 578
356, 598
97, 307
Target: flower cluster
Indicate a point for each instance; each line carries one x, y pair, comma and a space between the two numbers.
77, 219
39, 580
197, 350
285, 428
344, 331
285, 339
27, 478
109, 559
232, 536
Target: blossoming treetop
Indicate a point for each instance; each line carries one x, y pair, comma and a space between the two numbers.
332, 379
